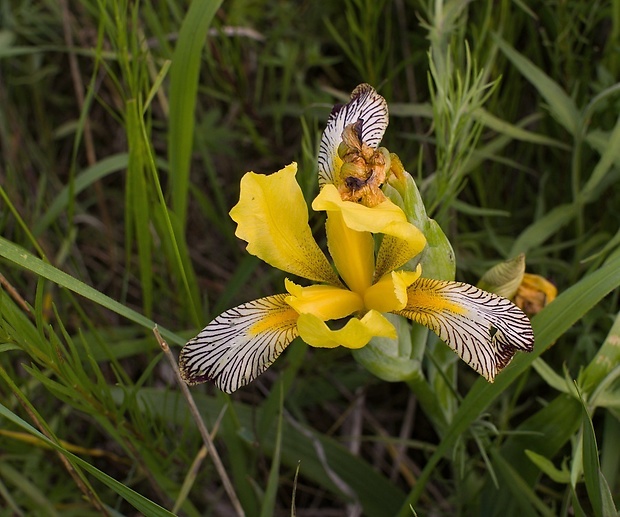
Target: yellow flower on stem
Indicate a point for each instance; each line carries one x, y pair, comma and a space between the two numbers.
272, 218
347, 304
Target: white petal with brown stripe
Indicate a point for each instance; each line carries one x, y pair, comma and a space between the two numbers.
240, 344
484, 329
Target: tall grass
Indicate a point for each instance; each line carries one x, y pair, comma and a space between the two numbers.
125, 128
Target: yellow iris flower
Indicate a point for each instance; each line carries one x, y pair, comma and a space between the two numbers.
484, 329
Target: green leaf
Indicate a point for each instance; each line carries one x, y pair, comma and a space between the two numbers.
591, 465
577, 509
137, 203
547, 466
175, 248
269, 501
515, 132
504, 278
560, 104
26, 260
606, 359
549, 376
184, 73
139, 502
609, 507
478, 211
539, 231
37, 498
523, 495
610, 449
541, 434
610, 155
300, 444
90, 175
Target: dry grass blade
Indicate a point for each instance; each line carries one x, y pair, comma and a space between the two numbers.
208, 441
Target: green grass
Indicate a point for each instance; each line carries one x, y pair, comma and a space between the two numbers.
125, 128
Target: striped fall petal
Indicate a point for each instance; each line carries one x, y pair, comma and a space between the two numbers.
484, 329
240, 343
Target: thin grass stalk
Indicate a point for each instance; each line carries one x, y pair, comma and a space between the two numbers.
208, 441
76, 474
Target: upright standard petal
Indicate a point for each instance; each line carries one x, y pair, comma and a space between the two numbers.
353, 252
386, 218
240, 344
355, 334
484, 329
272, 217
365, 105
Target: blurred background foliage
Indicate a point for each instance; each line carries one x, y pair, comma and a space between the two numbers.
125, 127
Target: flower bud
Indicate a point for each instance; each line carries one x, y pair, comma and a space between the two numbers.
504, 278
437, 260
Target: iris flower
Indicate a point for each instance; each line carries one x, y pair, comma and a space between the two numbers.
346, 302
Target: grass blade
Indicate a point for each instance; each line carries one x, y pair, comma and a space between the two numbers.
138, 205
377, 494
591, 466
88, 177
22, 258
610, 155
269, 501
547, 466
539, 231
183, 88
141, 503
527, 500
560, 104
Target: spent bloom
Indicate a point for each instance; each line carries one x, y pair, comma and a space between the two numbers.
347, 301
531, 293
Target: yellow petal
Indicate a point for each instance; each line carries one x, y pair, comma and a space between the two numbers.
390, 293
386, 218
323, 301
484, 329
240, 344
534, 293
355, 334
272, 217
353, 252
394, 252
365, 105
541, 284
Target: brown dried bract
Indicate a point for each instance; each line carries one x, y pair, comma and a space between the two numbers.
364, 169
